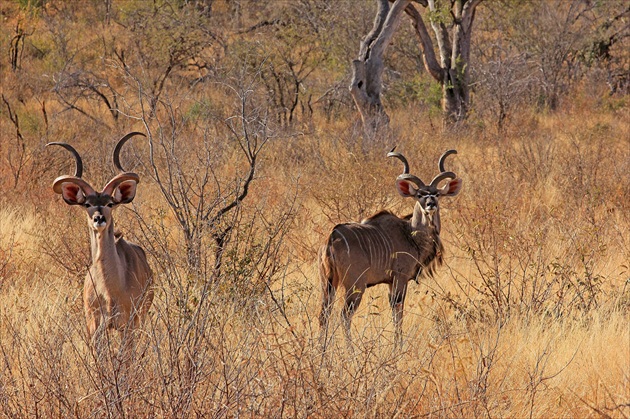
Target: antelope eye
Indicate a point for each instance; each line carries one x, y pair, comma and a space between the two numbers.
86, 205
111, 204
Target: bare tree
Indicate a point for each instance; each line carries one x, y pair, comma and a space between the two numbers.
504, 79
452, 26
285, 67
579, 35
17, 153
166, 41
366, 84
16, 49
78, 89
204, 203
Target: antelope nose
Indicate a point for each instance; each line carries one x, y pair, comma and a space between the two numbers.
99, 219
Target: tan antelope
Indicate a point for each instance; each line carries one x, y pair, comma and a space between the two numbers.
117, 289
386, 249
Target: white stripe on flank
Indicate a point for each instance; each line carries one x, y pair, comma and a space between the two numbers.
378, 242
358, 240
344, 239
370, 243
388, 248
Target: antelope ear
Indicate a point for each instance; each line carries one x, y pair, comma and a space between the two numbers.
125, 192
452, 188
406, 188
72, 193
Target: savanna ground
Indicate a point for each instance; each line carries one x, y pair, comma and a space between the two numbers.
529, 316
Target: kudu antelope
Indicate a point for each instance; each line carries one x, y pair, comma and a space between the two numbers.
117, 289
386, 249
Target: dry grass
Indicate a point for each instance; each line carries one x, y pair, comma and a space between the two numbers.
527, 319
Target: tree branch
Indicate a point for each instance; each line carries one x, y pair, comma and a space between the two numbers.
426, 44
379, 21
389, 27
442, 37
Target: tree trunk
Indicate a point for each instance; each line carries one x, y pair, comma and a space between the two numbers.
366, 92
453, 46
367, 74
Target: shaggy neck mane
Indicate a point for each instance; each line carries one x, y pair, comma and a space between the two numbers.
431, 250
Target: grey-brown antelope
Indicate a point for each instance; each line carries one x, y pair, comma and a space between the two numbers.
117, 289
386, 249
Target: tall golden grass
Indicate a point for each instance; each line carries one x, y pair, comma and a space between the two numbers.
528, 318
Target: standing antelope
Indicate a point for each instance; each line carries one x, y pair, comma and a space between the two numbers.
386, 249
117, 289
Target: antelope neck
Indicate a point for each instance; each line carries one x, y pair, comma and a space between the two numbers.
420, 219
103, 244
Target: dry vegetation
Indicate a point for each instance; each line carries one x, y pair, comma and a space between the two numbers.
528, 318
